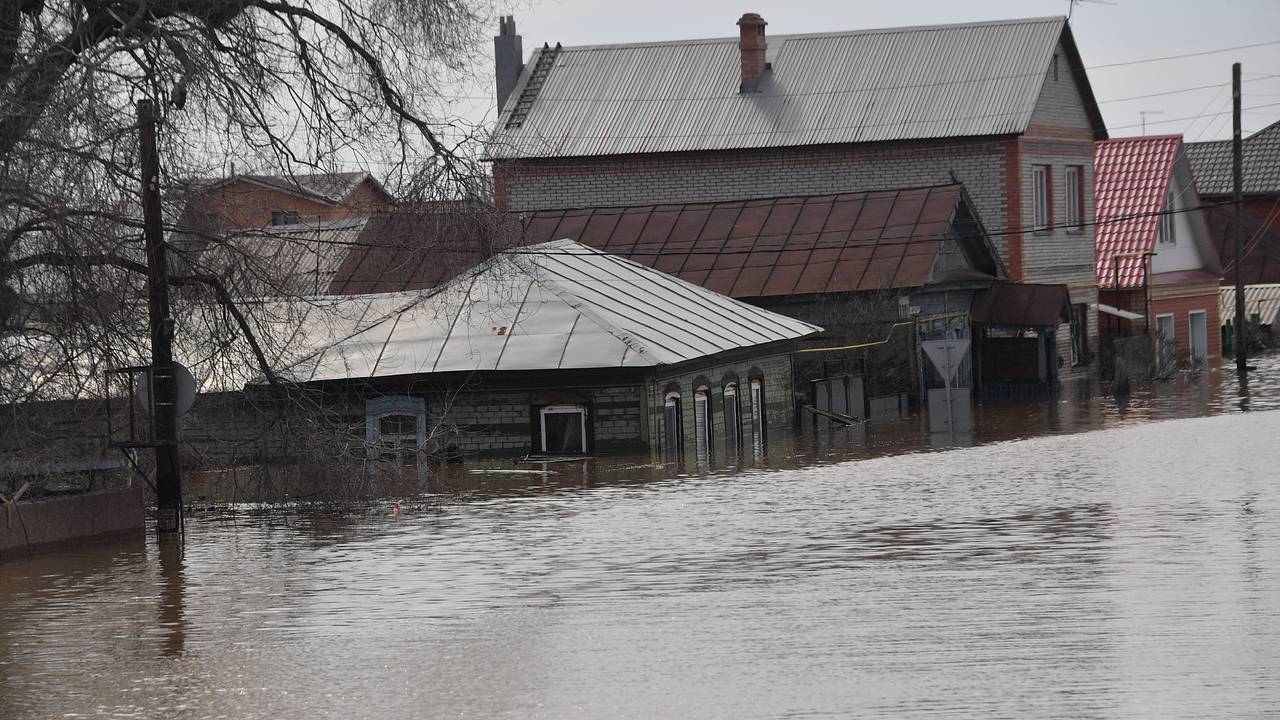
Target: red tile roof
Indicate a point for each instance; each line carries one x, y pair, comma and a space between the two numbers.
777, 246
1131, 184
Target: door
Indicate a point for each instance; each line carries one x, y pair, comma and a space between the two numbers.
1199, 336
1165, 342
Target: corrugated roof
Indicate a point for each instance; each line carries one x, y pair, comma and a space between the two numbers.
556, 305
1211, 162
1261, 299
791, 245
1131, 186
859, 86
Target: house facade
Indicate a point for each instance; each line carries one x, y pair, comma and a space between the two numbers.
1157, 266
259, 201
1003, 108
1212, 166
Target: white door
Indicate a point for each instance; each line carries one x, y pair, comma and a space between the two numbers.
1198, 337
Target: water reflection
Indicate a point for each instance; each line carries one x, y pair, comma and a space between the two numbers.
1127, 572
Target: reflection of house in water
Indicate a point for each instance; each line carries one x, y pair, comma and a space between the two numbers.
1157, 268
554, 349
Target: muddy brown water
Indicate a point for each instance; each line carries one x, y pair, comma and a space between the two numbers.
1124, 563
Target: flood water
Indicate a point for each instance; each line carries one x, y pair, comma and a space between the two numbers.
1129, 571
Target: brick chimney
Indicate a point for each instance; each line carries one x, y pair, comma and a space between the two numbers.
508, 58
752, 46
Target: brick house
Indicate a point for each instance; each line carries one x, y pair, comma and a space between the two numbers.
1004, 108
256, 201
1212, 163
1157, 265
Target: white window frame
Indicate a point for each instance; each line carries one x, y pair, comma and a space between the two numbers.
732, 431
1191, 337
702, 420
1167, 234
1041, 205
759, 421
563, 410
673, 437
1073, 183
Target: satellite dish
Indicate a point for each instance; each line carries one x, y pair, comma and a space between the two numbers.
185, 389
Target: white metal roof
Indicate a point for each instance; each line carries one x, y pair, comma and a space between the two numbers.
962, 80
553, 306
1261, 299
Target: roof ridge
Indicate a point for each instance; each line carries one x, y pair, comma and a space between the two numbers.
828, 33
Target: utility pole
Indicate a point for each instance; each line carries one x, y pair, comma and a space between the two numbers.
163, 393
1237, 197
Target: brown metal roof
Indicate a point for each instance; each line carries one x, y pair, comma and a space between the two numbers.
780, 246
419, 250
1022, 305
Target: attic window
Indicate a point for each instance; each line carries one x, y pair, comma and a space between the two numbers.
285, 217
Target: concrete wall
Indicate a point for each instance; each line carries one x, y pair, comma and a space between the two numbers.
53, 522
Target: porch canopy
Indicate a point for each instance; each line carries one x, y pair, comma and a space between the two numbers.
1011, 304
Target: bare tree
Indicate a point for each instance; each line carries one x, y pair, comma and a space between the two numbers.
271, 84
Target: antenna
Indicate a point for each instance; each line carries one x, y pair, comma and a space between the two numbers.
1144, 113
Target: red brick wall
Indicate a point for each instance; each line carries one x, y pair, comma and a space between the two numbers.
249, 205
1180, 308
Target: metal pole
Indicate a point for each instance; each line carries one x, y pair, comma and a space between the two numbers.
1237, 197
164, 387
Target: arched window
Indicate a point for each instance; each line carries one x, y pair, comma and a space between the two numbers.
672, 428
759, 422
732, 422
702, 423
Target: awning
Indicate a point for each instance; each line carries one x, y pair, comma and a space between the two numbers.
1123, 314
1022, 305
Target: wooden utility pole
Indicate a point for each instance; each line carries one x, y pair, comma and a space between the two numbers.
164, 389
1237, 197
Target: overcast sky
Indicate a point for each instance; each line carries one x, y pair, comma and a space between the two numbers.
1116, 31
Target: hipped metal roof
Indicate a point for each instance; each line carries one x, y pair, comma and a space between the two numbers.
880, 240
976, 79
1132, 177
553, 306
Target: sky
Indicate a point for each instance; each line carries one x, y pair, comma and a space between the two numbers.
1107, 32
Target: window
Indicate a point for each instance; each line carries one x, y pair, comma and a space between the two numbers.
1075, 198
395, 430
285, 217
1042, 197
1167, 236
732, 422
702, 423
758, 421
1080, 334
563, 429
398, 439
672, 428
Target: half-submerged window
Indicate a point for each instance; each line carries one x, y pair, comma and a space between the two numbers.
396, 430
563, 429
672, 428
758, 422
702, 423
732, 422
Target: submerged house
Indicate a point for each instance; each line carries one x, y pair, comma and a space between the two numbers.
1157, 267
553, 349
1003, 108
